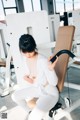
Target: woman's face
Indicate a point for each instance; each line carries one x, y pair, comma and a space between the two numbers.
29, 54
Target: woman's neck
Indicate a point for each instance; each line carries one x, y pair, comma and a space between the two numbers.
34, 57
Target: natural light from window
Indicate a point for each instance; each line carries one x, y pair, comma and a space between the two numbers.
34, 5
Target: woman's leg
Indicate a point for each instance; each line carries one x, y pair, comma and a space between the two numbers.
36, 114
20, 96
43, 105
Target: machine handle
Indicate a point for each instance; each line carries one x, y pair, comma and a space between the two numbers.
62, 52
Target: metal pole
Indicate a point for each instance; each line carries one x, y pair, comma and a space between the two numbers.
73, 4
3, 7
64, 6
32, 5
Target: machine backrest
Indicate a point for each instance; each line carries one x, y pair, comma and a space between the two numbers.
64, 41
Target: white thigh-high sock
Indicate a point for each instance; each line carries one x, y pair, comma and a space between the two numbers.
21, 103
24, 105
36, 114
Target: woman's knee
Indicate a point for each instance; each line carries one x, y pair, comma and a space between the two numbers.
15, 97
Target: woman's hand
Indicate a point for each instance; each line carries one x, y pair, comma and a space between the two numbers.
28, 79
52, 65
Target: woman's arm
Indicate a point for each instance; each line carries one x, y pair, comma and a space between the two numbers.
28, 79
50, 74
52, 65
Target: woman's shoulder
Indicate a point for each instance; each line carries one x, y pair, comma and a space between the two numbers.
42, 58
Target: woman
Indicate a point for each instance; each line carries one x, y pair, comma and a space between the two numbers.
42, 80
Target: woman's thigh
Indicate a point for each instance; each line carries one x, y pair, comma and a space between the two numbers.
26, 93
46, 102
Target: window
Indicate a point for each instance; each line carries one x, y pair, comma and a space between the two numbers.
76, 4
32, 5
69, 5
59, 6
36, 5
9, 6
27, 5
9, 3
10, 11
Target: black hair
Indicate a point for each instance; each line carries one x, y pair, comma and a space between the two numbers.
27, 43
